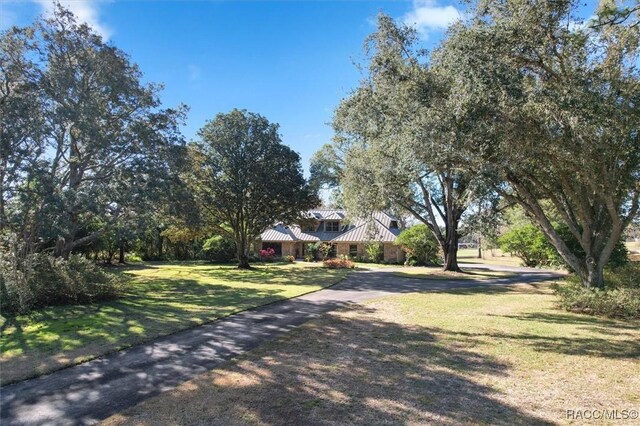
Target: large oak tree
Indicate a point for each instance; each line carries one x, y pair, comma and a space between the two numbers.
84, 142
398, 146
245, 179
557, 105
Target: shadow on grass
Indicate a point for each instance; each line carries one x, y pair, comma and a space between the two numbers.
344, 370
164, 301
53, 337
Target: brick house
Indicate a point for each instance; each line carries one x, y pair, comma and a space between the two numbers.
329, 226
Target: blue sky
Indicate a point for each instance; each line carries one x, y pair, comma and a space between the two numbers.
291, 61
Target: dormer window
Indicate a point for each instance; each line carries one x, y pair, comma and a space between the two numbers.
333, 226
394, 224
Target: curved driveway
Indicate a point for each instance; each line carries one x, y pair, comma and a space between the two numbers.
89, 392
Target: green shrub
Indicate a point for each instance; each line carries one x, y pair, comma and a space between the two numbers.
219, 249
324, 250
420, 245
313, 250
38, 280
620, 299
289, 259
530, 244
134, 258
375, 251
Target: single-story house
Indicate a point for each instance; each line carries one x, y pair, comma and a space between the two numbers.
330, 226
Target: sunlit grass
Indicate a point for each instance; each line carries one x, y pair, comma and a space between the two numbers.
489, 257
162, 298
475, 356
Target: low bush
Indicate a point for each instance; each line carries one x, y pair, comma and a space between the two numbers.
530, 244
312, 251
290, 259
219, 249
620, 299
324, 250
39, 280
374, 251
420, 245
134, 258
342, 262
267, 255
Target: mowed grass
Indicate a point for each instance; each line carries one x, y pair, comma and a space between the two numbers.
436, 273
162, 299
470, 255
490, 355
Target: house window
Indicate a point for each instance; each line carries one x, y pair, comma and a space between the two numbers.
332, 226
353, 250
394, 224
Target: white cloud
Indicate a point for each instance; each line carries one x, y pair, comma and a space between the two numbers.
85, 11
427, 16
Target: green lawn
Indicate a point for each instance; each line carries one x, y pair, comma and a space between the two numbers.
162, 298
470, 255
479, 356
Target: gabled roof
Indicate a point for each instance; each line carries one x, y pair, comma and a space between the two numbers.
377, 228
365, 232
334, 216
278, 233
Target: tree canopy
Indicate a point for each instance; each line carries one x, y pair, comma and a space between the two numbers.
245, 180
84, 142
398, 146
555, 102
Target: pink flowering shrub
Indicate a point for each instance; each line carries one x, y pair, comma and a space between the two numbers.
268, 254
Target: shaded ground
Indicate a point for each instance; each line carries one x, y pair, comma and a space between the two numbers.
436, 273
492, 355
162, 299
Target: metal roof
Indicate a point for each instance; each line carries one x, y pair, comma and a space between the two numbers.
277, 233
376, 228
364, 232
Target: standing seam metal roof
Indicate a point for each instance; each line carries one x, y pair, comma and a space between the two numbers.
357, 232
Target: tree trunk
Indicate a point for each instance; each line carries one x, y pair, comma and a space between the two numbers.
450, 250
479, 248
242, 254
592, 275
121, 256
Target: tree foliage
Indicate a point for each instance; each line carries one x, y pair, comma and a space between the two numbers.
245, 180
84, 142
398, 145
555, 107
